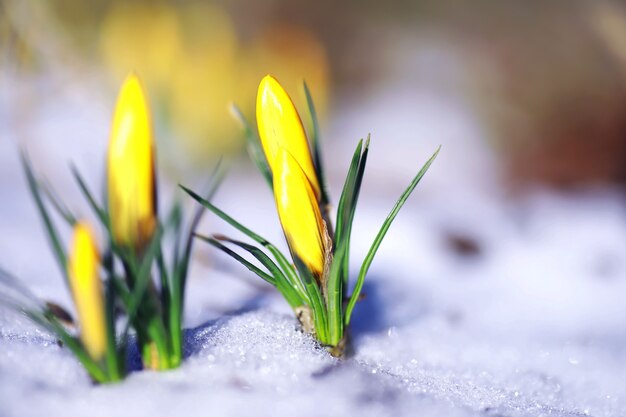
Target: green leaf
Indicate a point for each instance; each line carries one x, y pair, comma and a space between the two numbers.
73, 344
357, 186
56, 202
335, 294
100, 212
182, 267
224, 216
288, 269
53, 235
142, 275
343, 208
381, 235
338, 274
11, 285
122, 290
352, 210
282, 283
143, 312
255, 149
315, 144
114, 368
258, 271
282, 261
166, 289
317, 304
47, 321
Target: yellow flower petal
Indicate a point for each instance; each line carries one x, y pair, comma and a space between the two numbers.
131, 181
280, 127
86, 288
299, 212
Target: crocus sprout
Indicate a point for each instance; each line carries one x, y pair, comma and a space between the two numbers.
315, 285
119, 287
136, 233
132, 209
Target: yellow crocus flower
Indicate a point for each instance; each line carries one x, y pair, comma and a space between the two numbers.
86, 289
280, 127
131, 181
296, 187
299, 212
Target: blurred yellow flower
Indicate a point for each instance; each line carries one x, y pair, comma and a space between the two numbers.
292, 54
194, 65
86, 289
144, 38
131, 179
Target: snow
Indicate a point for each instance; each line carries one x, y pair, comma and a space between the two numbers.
531, 322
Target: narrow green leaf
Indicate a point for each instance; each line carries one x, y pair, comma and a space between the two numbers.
357, 185
338, 275
282, 283
17, 306
165, 293
224, 216
381, 234
56, 202
47, 321
346, 193
335, 294
10, 283
351, 210
156, 333
255, 149
141, 274
77, 348
288, 269
111, 357
123, 292
267, 277
317, 303
315, 144
284, 264
53, 235
182, 267
100, 212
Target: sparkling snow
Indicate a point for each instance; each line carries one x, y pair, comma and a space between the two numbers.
477, 305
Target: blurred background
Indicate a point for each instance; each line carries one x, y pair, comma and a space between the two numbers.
545, 86
528, 100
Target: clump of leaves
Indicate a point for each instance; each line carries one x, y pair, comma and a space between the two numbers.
123, 280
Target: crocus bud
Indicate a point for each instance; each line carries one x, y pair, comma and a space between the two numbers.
280, 127
299, 213
83, 267
295, 182
131, 179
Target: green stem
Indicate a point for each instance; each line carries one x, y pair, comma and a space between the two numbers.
176, 331
157, 338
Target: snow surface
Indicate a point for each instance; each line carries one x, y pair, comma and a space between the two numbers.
529, 321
